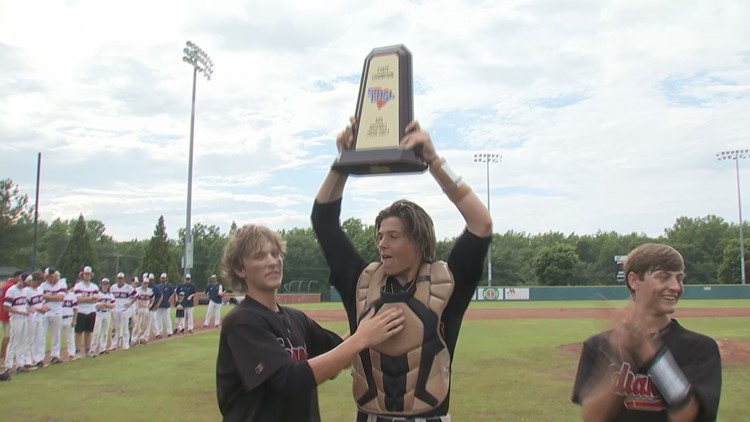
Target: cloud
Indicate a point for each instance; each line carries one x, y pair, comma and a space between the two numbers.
607, 114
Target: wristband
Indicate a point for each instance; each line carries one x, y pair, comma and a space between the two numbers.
669, 379
451, 183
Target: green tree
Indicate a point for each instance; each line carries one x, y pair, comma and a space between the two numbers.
304, 261
701, 241
208, 245
363, 238
77, 252
158, 258
16, 229
729, 268
555, 265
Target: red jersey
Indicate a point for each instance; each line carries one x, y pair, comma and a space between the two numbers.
4, 316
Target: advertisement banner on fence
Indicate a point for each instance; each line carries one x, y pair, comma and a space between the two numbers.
516, 293
489, 293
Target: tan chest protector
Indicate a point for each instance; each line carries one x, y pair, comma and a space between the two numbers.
408, 374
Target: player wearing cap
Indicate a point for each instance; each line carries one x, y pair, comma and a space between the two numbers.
650, 368
35, 337
163, 320
154, 306
188, 289
124, 295
17, 305
54, 293
144, 299
215, 291
102, 327
88, 296
4, 316
69, 313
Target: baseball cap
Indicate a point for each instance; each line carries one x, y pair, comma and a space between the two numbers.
187, 276
151, 276
163, 275
120, 275
87, 270
105, 280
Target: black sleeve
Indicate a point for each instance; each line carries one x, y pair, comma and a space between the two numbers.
320, 340
259, 357
703, 371
344, 261
465, 263
587, 373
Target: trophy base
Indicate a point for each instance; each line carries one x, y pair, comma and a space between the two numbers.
379, 161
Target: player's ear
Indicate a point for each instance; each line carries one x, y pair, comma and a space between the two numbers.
240, 272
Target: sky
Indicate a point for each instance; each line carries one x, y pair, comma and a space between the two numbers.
608, 114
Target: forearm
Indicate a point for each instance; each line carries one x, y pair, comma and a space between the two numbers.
687, 413
329, 364
476, 215
332, 187
601, 405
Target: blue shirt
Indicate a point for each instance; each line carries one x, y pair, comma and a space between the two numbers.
187, 289
166, 292
157, 295
213, 292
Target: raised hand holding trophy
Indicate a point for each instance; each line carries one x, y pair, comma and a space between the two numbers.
385, 107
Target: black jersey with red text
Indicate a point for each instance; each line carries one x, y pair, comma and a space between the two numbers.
261, 371
465, 263
696, 354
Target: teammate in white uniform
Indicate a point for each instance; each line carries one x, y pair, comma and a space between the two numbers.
16, 304
69, 316
54, 293
88, 296
124, 295
37, 339
102, 325
144, 299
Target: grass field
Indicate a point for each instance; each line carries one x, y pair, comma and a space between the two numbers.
504, 370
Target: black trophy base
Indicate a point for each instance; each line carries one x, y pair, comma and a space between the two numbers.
379, 161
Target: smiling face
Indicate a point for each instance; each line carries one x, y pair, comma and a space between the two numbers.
658, 291
262, 269
398, 253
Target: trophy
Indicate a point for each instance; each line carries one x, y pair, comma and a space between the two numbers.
384, 107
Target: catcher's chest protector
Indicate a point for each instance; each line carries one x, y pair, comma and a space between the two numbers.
409, 373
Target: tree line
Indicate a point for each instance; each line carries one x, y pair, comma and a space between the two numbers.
709, 245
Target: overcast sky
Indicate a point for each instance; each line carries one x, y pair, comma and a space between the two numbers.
608, 114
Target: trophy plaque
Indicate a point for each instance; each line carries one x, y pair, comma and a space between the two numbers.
384, 107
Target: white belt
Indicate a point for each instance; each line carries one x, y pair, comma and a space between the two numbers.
376, 418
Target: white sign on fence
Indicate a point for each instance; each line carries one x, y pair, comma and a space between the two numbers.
516, 293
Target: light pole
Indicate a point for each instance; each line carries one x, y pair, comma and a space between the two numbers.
488, 158
201, 62
736, 155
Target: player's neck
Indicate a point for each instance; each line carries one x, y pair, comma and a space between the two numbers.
267, 299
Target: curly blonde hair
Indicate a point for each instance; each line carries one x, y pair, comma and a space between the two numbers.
247, 240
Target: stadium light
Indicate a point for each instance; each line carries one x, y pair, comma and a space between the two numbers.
201, 62
488, 158
736, 155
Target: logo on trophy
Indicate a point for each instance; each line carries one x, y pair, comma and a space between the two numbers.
385, 106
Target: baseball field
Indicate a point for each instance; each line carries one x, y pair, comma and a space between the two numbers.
514, 362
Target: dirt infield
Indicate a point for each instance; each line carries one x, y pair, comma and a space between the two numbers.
551, 313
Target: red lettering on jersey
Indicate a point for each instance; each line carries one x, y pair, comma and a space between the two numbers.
638, 390
298, 353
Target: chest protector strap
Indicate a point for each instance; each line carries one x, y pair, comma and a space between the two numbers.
408, 374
